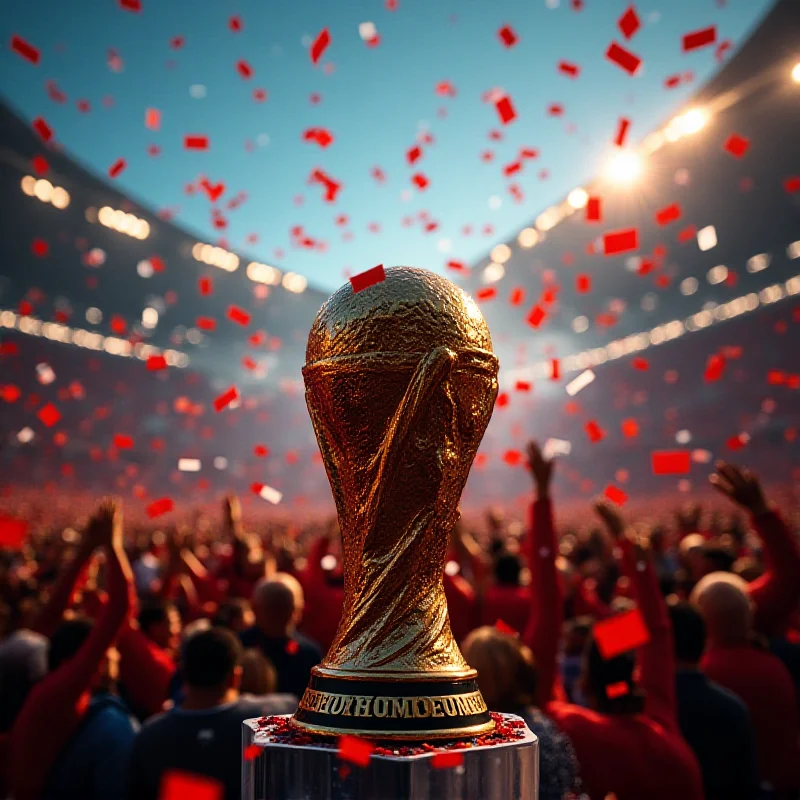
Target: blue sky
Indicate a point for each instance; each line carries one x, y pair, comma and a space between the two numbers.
375, 101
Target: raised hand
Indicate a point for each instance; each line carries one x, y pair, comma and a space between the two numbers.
540, 467
105, 526
611, 517
741, 486
232, 513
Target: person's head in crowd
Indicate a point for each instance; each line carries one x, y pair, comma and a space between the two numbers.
717, 557
507, 569
212, 668
68, 639
608, 684
576, 634
692, 556
23, 663
160, 622
688, 633
748, 568
507, 674
722, 599
258, 673
278, 605
235, 615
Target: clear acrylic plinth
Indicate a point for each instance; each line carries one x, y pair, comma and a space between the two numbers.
505, 771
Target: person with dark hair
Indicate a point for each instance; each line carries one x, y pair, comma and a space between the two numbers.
235, 615
58, 724
628, 741
203, 735
714, 721
734, 611
506, 599
507, 679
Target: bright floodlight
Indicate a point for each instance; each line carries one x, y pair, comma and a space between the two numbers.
796, 72
625, 167
692, 121
578, 198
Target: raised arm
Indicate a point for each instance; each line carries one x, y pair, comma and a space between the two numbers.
656, 659
543, 631
776, 593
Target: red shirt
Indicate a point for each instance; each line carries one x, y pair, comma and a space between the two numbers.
323, 603
56, 704
766, 687
512, 604
145, 670
634, 756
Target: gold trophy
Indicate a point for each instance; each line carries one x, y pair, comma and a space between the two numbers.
400, 385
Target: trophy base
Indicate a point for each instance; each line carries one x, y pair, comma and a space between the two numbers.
293, 767
440, 707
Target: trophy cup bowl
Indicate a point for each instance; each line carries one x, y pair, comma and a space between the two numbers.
400, 386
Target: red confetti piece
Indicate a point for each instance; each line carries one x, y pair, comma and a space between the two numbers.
261, 450
630, 428
623, 58
737, 145
368, 278
622, 241
420, 181
131, 5
555, 110
536, 316
687, 234
507, 36
620, 633
670, 462
176, 785
238, 315
43, 129
505, 110
355, 750
252, 752
25, 49
792, 185
152, 119
629, 22
555, 369
641, 364
205, 286
668, 214
244, 69
12, 532
39, 165
49, 415
123, 442
195, 142
320, 45
737, 442
583, 284
235, 23
156, 363
40, 247
458, 266
10, 393
413, 154
226, 398
523, 386
569, 69
502, 626
517, 296
618, 689
321, 136
615, 495
206, 323
292, 646
486, 293
715, 366
697, 39
593, 210
447, 760
116, 168
623, 126
594, 431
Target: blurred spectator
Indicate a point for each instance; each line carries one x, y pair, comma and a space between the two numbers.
714, 721
204, 734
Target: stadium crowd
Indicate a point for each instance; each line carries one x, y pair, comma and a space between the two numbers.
652, 660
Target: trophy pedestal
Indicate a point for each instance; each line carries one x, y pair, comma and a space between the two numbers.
508, 770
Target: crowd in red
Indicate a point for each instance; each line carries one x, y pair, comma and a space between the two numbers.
130, 652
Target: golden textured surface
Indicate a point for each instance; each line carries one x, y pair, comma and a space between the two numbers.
400, 385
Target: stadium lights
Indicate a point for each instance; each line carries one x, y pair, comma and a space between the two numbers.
263, 273
549, 218
624, 167
493, 272
528, 237
43, 190
215, 257
796, 72
578, 198
500, 254
295, 283
113, 345
122, 222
